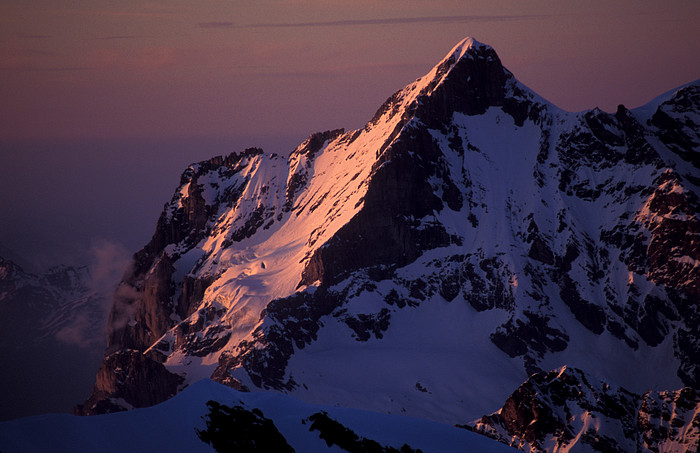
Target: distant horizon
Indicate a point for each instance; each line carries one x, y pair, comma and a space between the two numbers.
104, 105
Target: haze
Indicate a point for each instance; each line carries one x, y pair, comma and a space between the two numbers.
104, 103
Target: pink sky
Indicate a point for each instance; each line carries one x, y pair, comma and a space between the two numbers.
104, 103
219, 68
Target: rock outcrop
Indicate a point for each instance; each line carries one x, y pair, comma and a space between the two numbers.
129, 378
566, 410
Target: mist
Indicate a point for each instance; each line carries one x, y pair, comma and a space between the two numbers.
87, 326
62, 197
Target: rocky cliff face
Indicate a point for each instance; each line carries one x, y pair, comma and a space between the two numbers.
470, 233
566, 410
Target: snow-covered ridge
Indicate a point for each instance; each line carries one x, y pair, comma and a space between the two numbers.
173, 426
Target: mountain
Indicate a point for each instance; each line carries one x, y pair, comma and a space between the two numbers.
469, 236
51, 332
565, 410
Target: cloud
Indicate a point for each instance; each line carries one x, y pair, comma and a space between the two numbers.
117, 37
32, 36
85, 323
109, 260
381, 21
53, 69
82, 331
216, 25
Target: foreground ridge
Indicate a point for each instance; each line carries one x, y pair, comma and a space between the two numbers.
208, 417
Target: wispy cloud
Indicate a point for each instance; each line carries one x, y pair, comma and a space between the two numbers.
32, 36
381, 21
49, 69
85, 327
216, 25
117, 37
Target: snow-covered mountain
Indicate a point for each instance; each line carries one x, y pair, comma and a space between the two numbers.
470, 235
564, 410
51, 337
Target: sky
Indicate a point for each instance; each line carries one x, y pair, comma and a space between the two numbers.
103, 104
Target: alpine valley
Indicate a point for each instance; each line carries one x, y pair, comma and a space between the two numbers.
472, 248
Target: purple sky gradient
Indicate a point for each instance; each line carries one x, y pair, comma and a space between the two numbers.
104, 103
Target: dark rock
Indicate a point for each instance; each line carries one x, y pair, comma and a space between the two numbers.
541, 252
366, 325
335, 433
490, 287
518, 337
381, 234
129, 377
238, 429
139, 317
193, 289
590, 315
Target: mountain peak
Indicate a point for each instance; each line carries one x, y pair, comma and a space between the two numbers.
466, 47
466, 51
469, 80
